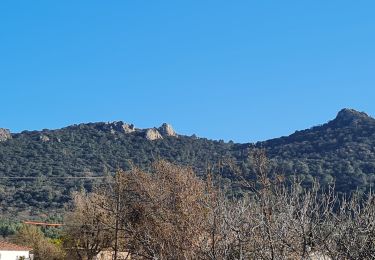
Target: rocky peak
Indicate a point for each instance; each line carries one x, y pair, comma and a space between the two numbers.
116, 126
5, 134
128, 128
153, 134
349, 116
348, 113
122, 127
167, 130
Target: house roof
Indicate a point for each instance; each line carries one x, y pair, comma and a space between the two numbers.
43, 224
13, 247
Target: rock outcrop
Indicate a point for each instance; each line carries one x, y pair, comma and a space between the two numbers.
122, 127
44, 138
351, 114
116, 126
167, 130
128, 128
5, 134
153, 134
351, 117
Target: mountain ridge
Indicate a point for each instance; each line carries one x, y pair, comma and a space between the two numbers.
344, 117
341, 151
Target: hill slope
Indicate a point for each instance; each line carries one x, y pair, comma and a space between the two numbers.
341, 150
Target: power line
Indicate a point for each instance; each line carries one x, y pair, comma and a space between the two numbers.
51, 177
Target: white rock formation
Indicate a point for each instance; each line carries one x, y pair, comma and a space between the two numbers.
44, 138
167, 130
4, 134
153, 134
128, 128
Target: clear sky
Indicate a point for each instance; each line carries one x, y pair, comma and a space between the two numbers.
233, 70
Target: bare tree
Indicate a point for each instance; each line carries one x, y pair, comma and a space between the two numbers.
86, 231
283, 220
163, 212
354, 236
169, 213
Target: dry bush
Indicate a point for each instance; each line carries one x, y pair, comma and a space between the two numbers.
86, 229
43, 248
164, 212
169, 213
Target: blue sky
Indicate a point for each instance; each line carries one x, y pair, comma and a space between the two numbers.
232, 70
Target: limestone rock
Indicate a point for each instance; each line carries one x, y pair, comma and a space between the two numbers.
128, 128
117, 126
351, 117
4, 134
44, 138
153, 134
348, 114
167, 130
122, 127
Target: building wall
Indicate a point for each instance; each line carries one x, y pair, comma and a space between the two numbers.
108, 255
13, 255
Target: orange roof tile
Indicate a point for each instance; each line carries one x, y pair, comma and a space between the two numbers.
42, 223
13, 247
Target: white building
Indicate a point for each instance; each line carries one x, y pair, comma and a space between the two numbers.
9, 251
109, 255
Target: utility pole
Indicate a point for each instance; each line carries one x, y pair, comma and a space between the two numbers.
118, 201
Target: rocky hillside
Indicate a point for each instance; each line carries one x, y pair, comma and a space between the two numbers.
46, 166
342, 150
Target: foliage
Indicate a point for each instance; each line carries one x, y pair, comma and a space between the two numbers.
168, 213
8, 227
83, 151
86, 228
43, 248
340, 152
